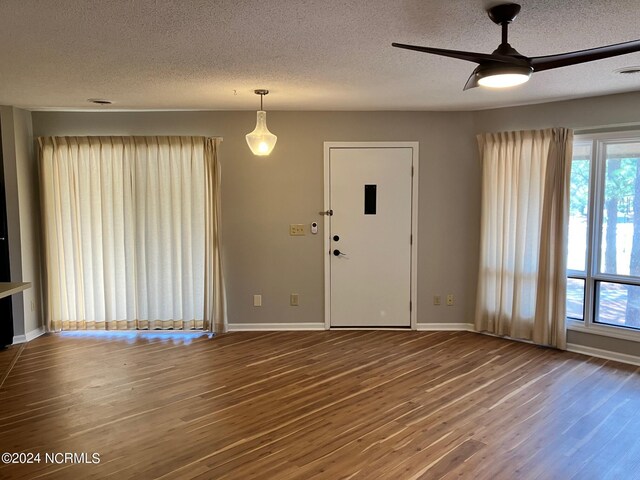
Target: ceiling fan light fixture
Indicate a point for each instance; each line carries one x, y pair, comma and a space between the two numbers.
496, 70
261, 141
503, 80
502, 77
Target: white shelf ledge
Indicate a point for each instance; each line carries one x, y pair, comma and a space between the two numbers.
9, 288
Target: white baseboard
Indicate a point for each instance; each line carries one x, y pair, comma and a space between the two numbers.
266, 327
606, 354
445, 327
425, 327
29, 335
261, 327
380, 329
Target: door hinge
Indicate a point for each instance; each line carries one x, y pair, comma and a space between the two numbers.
411, 239
412, 170
410, 306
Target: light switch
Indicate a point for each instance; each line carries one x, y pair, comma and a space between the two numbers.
296, 229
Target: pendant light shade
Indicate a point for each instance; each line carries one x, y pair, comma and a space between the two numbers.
261, 141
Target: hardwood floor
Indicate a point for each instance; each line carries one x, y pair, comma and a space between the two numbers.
317, 405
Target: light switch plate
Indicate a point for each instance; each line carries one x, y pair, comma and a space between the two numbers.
294, 300
257, 300
296, 229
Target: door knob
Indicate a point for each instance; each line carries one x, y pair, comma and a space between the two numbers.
336, 238
337, 252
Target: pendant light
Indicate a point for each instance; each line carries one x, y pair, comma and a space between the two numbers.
261, 141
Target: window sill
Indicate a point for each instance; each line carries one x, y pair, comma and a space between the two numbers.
605, 331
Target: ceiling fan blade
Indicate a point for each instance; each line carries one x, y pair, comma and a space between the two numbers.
468, 56
573, 58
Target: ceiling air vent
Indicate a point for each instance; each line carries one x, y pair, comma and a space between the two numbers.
100, 101
628, 70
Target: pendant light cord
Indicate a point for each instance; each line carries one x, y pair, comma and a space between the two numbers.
261, 97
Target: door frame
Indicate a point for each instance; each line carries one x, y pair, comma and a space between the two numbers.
414, 223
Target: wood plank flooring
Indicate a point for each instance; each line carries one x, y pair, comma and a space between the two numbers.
317, 405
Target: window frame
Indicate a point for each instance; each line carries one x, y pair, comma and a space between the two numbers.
592, 276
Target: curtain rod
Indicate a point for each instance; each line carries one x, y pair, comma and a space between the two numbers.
607, 128
205, 136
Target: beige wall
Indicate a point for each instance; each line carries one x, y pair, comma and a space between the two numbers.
29, 202
23, 217
262, 196
13, 214
613, 112
609, 112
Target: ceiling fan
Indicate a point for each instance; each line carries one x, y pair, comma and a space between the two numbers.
506, 67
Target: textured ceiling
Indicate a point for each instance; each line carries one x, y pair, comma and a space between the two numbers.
311, 54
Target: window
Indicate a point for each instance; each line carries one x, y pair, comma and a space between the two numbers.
603, 263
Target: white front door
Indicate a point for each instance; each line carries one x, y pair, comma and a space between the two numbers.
370, 196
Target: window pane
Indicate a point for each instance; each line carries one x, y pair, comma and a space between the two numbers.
620, 248
575, 299
618, 305
579, 207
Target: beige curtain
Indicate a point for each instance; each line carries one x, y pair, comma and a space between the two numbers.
131, 233
215, 306
525, 207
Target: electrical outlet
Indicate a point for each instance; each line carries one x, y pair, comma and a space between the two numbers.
294, 300
437, 300
450, 299
296, 229
257, 300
